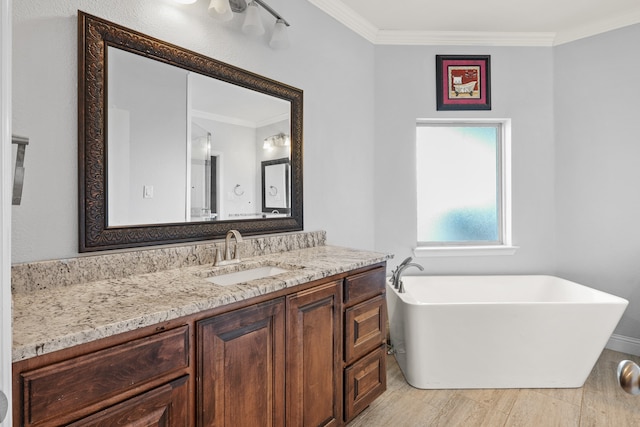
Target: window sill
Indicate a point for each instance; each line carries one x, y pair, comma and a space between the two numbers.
424, 252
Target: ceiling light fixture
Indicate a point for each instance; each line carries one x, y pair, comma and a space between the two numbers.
279, 37
220, 10
252, 22
223, 10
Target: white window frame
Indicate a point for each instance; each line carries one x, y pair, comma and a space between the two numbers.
505, 247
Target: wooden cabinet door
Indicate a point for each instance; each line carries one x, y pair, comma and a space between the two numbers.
164, 406
241, 367
314, 380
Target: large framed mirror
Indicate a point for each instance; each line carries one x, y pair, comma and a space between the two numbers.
172, 143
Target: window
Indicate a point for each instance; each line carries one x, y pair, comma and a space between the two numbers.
462, 171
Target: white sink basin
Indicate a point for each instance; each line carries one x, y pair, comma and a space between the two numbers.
245, 275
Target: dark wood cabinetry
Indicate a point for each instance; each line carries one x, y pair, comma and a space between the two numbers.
365, 322
61, 392
313, 355
365, 328
241, 367
364, 381
164, 406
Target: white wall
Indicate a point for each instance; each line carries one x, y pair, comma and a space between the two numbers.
575, 159
598, 173
521, 89
326, 60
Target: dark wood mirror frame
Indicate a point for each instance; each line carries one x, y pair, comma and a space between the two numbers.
94, 36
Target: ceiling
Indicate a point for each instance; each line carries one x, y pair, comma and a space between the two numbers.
481, 22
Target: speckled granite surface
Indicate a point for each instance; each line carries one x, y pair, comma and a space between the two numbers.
51, 318
85, 269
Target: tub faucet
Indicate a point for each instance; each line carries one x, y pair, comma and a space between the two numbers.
396, 281
394, 272
228, 258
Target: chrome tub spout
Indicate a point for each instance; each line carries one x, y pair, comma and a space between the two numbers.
396, 274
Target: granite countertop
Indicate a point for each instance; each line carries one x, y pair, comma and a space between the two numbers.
52, 319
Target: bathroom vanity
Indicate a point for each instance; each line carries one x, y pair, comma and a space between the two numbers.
304, 347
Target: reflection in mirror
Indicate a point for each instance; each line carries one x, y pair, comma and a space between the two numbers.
147, 140
154, 175
236, 121
171, 143
204, 178
275, 186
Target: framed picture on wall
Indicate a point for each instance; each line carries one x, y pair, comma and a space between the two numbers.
463, 82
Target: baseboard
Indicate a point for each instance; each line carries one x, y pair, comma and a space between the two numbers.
624, 344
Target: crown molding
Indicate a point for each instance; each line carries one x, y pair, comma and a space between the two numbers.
622, 20
348, 17
352, 20
463, 38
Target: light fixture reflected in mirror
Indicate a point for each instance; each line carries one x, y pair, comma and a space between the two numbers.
279, 140
222, 10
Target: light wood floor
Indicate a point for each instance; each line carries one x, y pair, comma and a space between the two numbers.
599, 403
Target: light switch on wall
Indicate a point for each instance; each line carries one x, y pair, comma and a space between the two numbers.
148, 192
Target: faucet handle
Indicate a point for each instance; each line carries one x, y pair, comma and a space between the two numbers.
218, 256
392, 278
405, 262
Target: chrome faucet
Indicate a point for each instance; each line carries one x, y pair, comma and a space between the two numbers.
395, 280
394, 273
228, 257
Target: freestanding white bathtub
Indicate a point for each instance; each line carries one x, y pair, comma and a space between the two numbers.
453, 332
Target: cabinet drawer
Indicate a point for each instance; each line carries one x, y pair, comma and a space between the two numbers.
360, 287
365, 326
164, 406
364, 381
65, 387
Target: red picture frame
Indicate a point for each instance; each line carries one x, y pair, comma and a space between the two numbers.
463, 82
